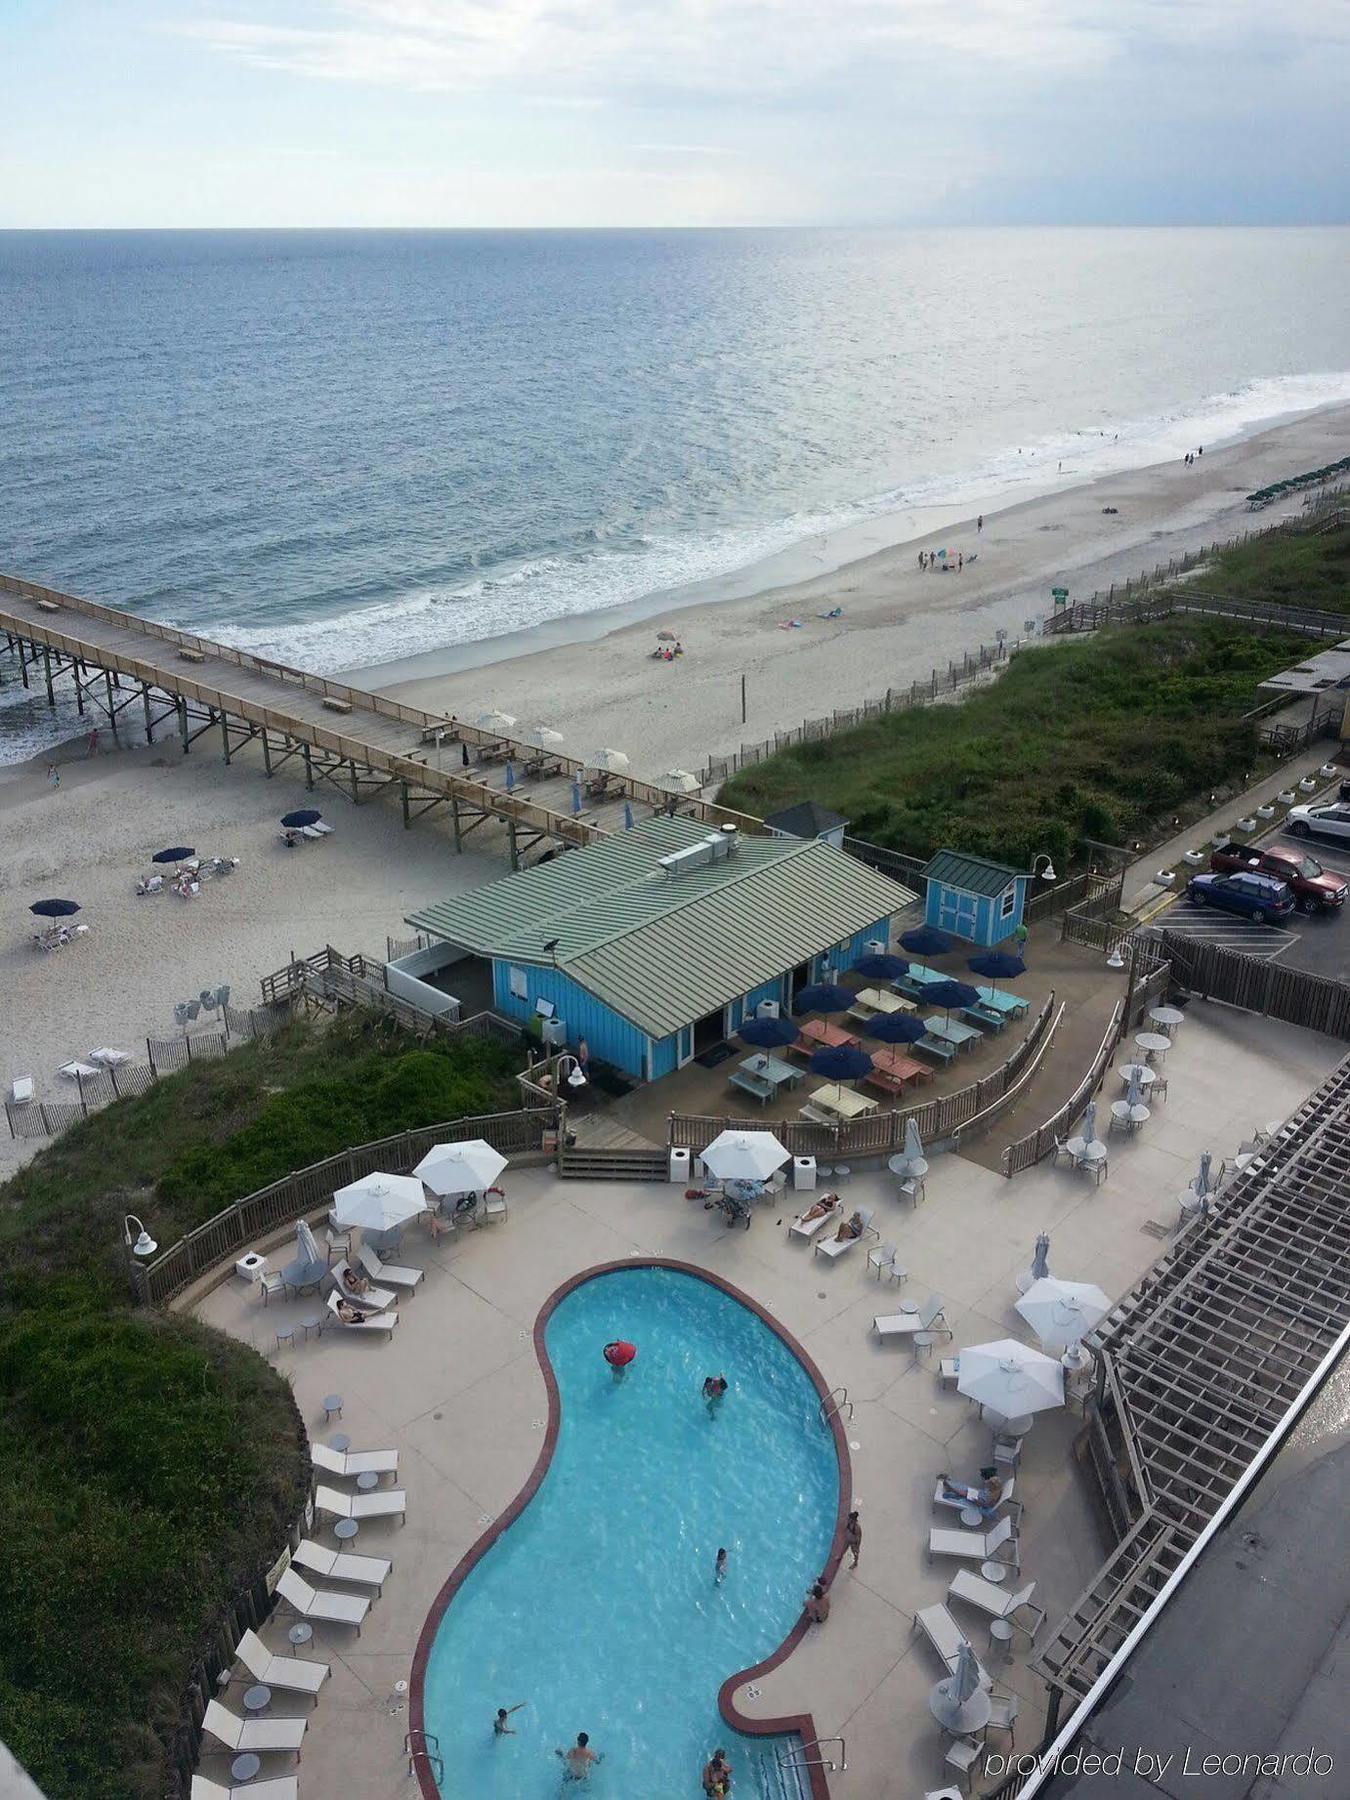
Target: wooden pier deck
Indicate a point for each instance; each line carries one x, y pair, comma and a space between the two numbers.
137, 674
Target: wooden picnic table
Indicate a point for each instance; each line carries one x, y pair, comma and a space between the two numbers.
817, 1035
871, 1001
843, 1102
1000, 1001
951, 1031
891, 1069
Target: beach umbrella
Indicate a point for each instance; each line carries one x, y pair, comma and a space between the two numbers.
1061, 1313
924, 940
1040, 1257
576, 795
769, 1034
181, 852
306, 1245
744, 1156
948, 994
510, 776
680, 781
54, 909
824, 996
613, 762
627, 815
913, 1142
1010, 1378
464, 754
841, 1062
1088, 1128
379, 1202
499, 722
467, 1168
1133, 1093
896, 1028
998, 965
294, 821
1202, 1183
953, 1702
882, 967
544, 737
666, 637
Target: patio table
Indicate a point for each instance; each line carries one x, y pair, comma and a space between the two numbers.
908, 1168
1168, 1019
1152, 1043
1011, 1004
960, 1716
951, 1031
1128, 1115
872, 1000
773, 1069
844, 1102
816, 1034
1139, 1072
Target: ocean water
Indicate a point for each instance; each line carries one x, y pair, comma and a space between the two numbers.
598, 1608
341, 448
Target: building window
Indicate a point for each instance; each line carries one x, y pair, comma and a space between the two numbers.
517, 984
1008, 905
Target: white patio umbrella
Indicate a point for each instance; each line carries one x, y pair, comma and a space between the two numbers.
1088, 1128
744, 1156
544, 736
1061, 1313
467, 1168
379, 1202
613, 762
307, 1248
1009, 1378
680, 781
496, 721
1133, 1094
950, 1701
913, 1142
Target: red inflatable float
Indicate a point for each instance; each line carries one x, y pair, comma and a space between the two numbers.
619, 1354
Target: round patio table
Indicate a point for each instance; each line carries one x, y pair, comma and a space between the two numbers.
1140, 1073
1167, 1018
367, 1480
258, 1698
340, 1442
245, 1767
1094, 1152
908, 1168
1153, 1043
299, 1634
960, 1716
1130, 1115
994, 1571
1015, 1427
971, 1516
346, 1529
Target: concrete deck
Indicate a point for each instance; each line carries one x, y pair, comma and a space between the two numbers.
459, 1392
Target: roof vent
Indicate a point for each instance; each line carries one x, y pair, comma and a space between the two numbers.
691, 857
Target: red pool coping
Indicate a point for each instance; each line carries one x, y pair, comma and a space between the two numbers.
801, 1723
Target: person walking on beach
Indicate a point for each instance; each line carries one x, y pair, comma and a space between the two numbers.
580, 1759
53, 775
923, 559
720, 1568
853, 1535
960, 561
979, 524
500, 1728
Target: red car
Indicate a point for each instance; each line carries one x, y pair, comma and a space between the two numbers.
1313, 889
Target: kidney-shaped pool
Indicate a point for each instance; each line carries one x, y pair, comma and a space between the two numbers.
598, 1606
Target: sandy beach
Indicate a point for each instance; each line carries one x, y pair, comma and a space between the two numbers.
897, 623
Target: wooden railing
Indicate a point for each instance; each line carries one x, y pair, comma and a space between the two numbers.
939, 1120
229, 1233
1026, 1151
359, 981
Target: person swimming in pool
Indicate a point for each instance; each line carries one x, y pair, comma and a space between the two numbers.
720, 1568
500, 1728
580, 1759
717, 1776
714, 1391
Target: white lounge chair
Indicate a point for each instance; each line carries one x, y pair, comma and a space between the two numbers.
1006, 1499
338, 1565
836, 1246
252, 1734
290, 1672
380, 1271
976, 1546
901, 1325
803, 1227
281, 1787
997, 1601
384, 1503
371, 1323
946, 1637
374, 1299
21, 1090
323, 828
321, 1603
358, 1462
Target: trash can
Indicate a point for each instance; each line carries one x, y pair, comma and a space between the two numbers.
679, 1165
804, 1173
250, 1266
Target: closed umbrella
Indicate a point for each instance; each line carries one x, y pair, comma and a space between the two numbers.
54, 909
305, 1243
500, 722
613, 762
1133, 1094
1040, 1257
926, 940
296, 821
882, 967
1202, 1183
1088, 1128
997, 965
467, 1168
309, 1268
896, 1028
510, 776
181, 852
769, 1034
913, 1142
379, 1202
841, 1062
1009, 1378
1061, 1313
576, 795
627, 815
744, 1156
959, 1701
824, 996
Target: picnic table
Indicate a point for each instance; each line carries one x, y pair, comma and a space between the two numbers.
870, 1001
842, 1102
951, 1031
891, 1069
988, 1018
1012, 1006
818, 1035
763, 1075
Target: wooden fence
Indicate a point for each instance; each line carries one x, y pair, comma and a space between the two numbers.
330, 979
939, 1120
1314, 1001
231, 1232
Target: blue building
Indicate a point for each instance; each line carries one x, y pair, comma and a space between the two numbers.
974, 899
658, 942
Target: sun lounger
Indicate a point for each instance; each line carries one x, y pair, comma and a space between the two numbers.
108, 1058
942, 1498
323, 828
391, 1272
946, 1637
372, 1323
835, 1246
374, 1299
292, 1673
322, 1603
338, 1565
353, 1462
79, 1071
382, 1504
252, 1734
280, 1787
975, 1546
997, 1601
807, 1228
901, 1325
21, 1090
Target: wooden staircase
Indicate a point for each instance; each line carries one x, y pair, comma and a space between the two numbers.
605, 1150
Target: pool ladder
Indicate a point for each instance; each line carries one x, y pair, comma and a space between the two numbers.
421, 1743
834, 1403
801, 1758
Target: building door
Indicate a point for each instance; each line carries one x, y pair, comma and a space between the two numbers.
684, 1046
800, 978
709, 1030
957, 913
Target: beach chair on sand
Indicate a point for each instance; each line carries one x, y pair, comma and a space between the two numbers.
835, 1246
280, 1787
252, 1734
383, 1503
373, 1324
292, 1673
320, 1603
360, 1462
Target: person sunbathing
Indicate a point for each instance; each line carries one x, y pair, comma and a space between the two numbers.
852, 1227
354, 1283
349, 1314
985, 1497
822, 1209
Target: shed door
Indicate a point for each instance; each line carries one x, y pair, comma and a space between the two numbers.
957, 913
684, 1045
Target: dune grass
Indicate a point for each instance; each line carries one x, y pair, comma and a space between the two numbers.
1292, 569
1096, 738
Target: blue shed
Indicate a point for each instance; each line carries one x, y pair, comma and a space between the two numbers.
974, 899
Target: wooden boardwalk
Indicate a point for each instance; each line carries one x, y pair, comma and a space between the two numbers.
138, 675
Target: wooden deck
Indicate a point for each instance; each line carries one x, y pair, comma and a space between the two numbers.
120, 665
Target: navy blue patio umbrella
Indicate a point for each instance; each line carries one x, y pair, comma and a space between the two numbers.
307, 815
896, 1028
824, 996
54, 909
948, 994
769, 1034
924, 940
841, 1062
998, 965
179, 853
882, 967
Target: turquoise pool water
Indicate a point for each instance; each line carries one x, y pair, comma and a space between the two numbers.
598, 1607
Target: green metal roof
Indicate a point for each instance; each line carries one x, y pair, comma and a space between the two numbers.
972, 874
664, 949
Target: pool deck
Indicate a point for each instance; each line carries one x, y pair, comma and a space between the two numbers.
459, 1392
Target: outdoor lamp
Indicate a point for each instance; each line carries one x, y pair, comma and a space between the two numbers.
143, 1244
1048, 872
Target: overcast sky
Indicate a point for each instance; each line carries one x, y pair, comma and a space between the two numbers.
673, 112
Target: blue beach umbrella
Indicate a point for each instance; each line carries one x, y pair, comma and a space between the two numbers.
179, 853
510, 775
627, 815
54, 909
824, 996
1202, 1183
998, 965
1088, 1128
294, 821
576, 794
896, 1028
769, 1034
948, 994
883, 967
841, 1062
924, 940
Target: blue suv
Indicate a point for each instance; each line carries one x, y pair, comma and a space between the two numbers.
1259, 897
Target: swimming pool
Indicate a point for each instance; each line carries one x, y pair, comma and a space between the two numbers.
598, 1607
